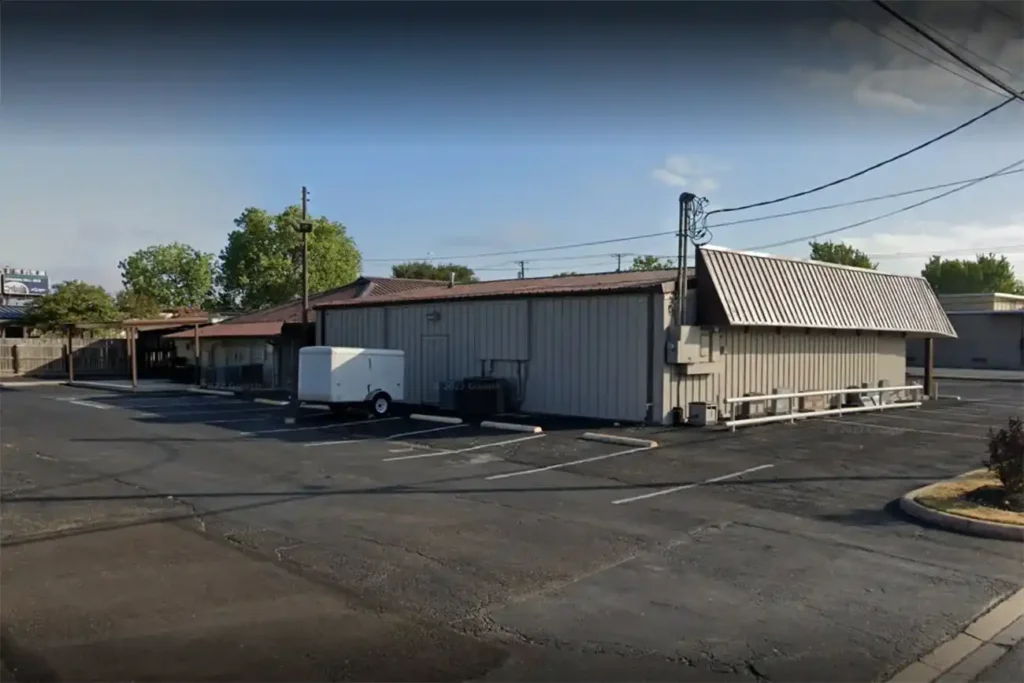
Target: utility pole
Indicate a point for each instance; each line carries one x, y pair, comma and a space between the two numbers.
522, 269
618, 262
305, 227
682, 280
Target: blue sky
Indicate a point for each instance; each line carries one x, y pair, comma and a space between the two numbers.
483, 146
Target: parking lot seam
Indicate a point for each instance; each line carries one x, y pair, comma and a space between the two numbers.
953, 659
456, 451
556, 466
675, 489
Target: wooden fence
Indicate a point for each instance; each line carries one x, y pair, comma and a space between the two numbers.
47, 357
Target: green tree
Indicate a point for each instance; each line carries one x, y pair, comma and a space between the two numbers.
989, 273
651, 263
262, 262
136, 306
841, 253
172, 275
73, 301
422, 270
567, 273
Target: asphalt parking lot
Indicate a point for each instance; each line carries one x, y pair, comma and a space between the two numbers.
771, 553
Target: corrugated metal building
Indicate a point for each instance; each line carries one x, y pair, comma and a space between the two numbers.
596, 345
990, 333
261, 349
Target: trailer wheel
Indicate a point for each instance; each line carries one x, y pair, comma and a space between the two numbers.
380, 405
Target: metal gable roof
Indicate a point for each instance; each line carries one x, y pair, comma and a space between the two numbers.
770, 291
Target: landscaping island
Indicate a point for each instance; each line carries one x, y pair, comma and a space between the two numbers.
985, 502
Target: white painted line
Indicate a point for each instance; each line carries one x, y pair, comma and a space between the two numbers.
388, 438
436, 418
511, 427
331, 425
851, 423
495, 444
619, 440
560, 465
674, 489
86, 404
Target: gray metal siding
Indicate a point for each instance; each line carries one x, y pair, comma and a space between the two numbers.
766, 291
583, 356
992, 341
589, 357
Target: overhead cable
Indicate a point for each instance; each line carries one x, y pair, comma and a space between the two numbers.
851, 226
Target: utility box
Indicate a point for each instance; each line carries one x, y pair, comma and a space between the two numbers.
703, 414
342, 376
684, 345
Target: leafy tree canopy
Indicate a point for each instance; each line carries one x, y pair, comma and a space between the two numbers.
422, 270
567, 273
651, 263
73, 301
136, 306
172, 275
989, 273
262, 262
841, 253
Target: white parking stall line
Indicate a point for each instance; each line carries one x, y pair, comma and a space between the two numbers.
494, 444
858, 423
674, 489
322, 427
388, 438
86, 404
561, 465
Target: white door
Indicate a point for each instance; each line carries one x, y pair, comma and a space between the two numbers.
433, 367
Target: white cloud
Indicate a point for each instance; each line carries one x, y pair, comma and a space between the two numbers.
681, 171
882, 74
963, 240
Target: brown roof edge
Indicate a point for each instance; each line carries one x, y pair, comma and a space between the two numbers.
594, 284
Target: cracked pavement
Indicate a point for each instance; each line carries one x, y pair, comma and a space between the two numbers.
803, 571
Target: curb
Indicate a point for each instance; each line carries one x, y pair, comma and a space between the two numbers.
33, 383
436, 418
951, 522
973, 649
619, 440
511, 427
210, 392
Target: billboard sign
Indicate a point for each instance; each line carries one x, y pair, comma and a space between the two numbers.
24, 284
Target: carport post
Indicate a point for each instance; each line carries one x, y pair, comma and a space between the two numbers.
195, 343
133, 359
71, 354
929, 367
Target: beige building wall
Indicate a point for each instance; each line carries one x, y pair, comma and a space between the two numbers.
760, 360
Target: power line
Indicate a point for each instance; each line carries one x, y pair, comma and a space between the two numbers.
742, 221
884, 36
904, 209
952, 53
873, 167
968, 50
994, 6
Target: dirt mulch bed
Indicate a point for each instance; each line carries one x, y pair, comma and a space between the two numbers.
977, 495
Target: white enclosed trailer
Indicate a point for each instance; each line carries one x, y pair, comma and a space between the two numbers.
341, 377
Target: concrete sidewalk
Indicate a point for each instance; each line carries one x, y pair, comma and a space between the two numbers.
971, 374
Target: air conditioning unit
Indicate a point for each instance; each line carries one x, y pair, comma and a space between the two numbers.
702, 414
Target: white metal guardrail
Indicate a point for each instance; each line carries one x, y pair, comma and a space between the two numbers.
793, 413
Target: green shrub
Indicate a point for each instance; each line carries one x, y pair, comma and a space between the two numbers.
1006, 456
